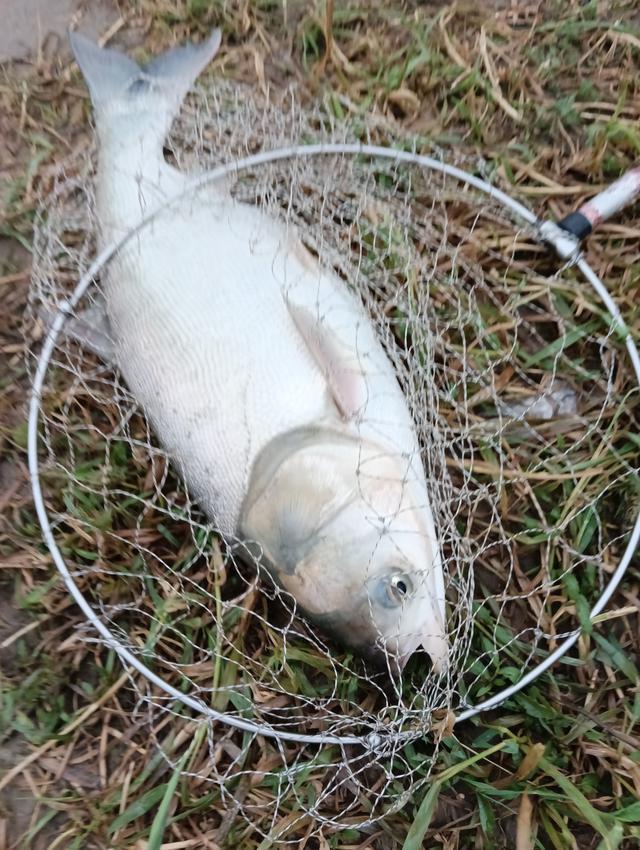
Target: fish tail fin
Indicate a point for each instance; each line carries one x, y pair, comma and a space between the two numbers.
118, 86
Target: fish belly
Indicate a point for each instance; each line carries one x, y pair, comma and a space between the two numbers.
207, 346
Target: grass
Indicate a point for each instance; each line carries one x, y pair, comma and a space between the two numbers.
550, 97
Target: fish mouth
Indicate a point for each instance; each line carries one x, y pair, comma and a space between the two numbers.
435, 645
394, 654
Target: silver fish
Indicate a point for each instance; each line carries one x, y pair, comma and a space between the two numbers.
262, 377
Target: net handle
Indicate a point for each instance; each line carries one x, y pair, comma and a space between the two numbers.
567, 234
374, 740
603, 206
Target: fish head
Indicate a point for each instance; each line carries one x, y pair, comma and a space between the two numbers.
346, 528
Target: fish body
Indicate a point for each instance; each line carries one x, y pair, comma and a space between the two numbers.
262, 376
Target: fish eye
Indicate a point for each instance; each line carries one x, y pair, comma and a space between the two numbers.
393, 589
400, 587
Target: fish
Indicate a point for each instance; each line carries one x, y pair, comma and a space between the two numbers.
261, 375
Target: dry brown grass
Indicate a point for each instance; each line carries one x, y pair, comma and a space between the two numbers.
550, 94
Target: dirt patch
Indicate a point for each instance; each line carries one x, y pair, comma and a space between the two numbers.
19, 807
17, 803
28, 24
11, 619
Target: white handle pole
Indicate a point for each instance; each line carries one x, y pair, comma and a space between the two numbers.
613, 198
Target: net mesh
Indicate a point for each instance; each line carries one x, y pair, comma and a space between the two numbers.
514, 379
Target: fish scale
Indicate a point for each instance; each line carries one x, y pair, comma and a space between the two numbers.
183, 349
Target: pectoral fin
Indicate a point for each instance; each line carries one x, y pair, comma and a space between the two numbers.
341, 364
90, 328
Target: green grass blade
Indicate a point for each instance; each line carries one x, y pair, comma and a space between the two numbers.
613, 839
455, 769
424, 815
139, 807
600, 822
160, 820
422, 820
630, 814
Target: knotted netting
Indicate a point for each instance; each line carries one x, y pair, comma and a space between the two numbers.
516, 378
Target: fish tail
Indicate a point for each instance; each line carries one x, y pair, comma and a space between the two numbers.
120, 88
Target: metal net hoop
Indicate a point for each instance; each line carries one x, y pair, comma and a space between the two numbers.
371, 740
